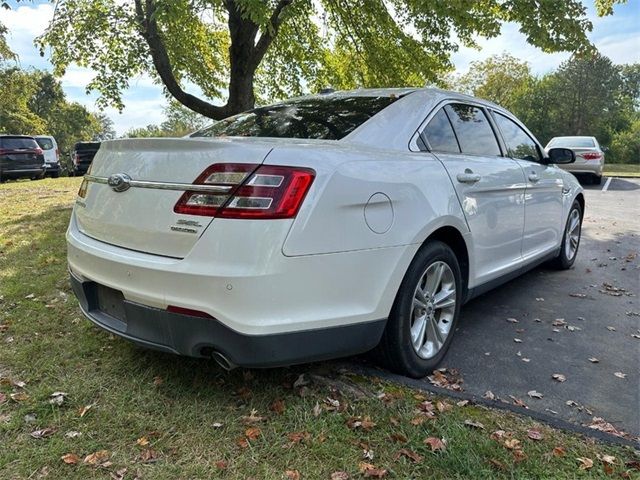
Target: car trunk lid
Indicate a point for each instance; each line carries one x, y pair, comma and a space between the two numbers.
142, 217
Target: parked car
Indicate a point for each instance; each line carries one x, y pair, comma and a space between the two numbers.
82, 156
20, 157
319, 227
51, 155
589, 156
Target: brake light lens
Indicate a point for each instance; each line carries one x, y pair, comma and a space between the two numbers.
592, 156
248, 191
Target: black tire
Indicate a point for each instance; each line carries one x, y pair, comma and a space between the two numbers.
396, 350
562, 261
596, 179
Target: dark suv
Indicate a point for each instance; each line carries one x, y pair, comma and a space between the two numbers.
20, 157
82, 156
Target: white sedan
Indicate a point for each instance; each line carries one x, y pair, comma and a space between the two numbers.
319, 227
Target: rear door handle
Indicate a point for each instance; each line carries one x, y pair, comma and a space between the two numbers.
533, 178
468, 177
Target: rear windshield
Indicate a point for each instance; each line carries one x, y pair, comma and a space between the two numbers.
567, 142
16, 143
45, 143
87, 146
329, 118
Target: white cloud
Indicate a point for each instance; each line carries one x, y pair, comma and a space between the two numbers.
24, 24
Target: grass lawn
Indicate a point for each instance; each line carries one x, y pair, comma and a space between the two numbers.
129, 413
622, 169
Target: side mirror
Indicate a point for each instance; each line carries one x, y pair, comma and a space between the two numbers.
560, 155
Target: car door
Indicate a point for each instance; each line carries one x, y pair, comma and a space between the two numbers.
543, 226
490, 187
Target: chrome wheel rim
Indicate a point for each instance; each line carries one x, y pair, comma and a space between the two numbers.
433, 309
572, 235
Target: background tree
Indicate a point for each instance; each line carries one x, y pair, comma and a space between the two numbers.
243, 49
179, 122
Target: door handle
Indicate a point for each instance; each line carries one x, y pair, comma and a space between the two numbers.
533, 178
468, 177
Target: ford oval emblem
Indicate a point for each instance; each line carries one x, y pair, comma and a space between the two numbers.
119, 182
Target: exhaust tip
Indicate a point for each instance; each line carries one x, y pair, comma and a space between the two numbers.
223, 361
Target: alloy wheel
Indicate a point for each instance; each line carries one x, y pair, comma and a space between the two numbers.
572, 235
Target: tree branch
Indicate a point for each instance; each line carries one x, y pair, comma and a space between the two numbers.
150, 32
270, 34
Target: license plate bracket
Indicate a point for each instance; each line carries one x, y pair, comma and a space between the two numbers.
111, 302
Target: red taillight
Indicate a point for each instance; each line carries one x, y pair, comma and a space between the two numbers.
4, 151
188, 311
592, 156
57, 154
248, 191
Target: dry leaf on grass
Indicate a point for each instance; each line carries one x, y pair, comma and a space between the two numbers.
149, 455
559, 452
277, 406
370, 471
252, 418
292, 474
534, 434
410, 454
610, 459
585, 463
57, 398
70, 459
340, 476
44, 433
252, 433
471, 423
436, 444
3, 398
85, 409
512, 443
19, 397
221, 465
399, 438
142, 441
358, 422
96, 458
534, 394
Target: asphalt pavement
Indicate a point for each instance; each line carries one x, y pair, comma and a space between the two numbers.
583, 323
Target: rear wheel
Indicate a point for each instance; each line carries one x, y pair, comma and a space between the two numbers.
425, 312
570, 239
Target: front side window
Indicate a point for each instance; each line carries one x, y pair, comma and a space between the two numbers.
519, 143
473, 130
328, 117
439, 134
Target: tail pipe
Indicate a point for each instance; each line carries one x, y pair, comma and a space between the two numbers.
223, 361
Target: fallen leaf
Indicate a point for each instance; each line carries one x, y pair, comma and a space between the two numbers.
599, 423
462, 403
418, 420
358, 422
519, 455
19, 397
44, 433
370, 471
512, 320
85, 409
221, 465
142, 441
340, 476
443, 406
3, 398
57, 398
471, 423
512, 443
399, 438
517, 340
70, 459
497, 435
96, 457
534, 434
558, 377
253, 417
436, 444
518, 402
610, 459
585, 463
158, 380
217, 425
317, 410
497, 464
242, 442
446, 378
611, 329
410, 454
534, 394
252, 433
620, 375
18, 383
578, 295
292, 474
301, 381
277, 406
593, 360
489, 395
149, 455
559, 452
297, 437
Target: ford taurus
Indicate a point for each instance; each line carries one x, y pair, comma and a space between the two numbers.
319, 227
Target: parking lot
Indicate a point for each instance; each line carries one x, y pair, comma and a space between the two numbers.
583, 324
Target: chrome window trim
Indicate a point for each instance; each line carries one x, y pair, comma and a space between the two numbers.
181, 187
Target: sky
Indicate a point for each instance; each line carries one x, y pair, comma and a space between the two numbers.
617, 37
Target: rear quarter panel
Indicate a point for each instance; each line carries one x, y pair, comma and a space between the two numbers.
406, 197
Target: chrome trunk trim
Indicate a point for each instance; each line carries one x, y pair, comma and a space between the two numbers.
182, 187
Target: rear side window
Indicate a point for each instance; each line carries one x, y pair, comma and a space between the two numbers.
519, 143
45, 143
17, 143
473, 130
329, 117
439, 134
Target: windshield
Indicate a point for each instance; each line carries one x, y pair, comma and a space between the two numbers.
567, 142
329, 118
17, 143
45, 143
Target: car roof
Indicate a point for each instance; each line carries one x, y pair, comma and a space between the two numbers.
7, 135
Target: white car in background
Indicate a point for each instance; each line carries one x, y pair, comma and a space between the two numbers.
589, 156
319, 227
49, 147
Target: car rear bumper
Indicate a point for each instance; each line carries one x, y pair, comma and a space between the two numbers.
593, 168
201, 337
10, 172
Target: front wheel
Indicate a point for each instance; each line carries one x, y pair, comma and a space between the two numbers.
570, 239
425, 312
